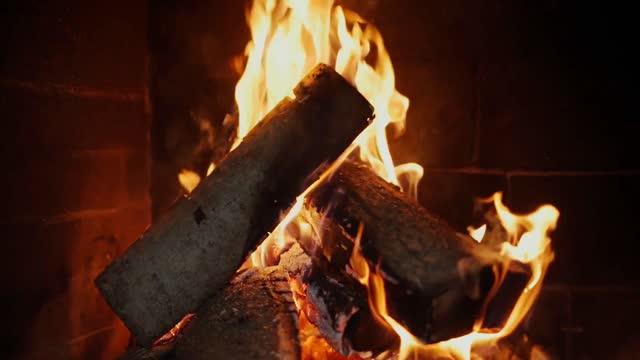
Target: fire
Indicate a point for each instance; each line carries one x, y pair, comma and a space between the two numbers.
527, 241
477, 234
288, 38
190, 179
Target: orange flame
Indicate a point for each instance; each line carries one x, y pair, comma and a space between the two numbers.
288, 38
189, 179
477, 234
310, 32
528, 241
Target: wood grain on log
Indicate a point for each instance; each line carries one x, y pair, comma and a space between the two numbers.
254, 317
436, 278
194, 249
410, 245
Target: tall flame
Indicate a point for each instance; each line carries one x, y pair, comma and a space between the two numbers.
527, 241
288, 38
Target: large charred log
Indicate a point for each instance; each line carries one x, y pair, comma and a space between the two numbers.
409, 244
436, 279
254, 317
192, 251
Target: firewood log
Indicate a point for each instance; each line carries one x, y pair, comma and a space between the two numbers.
194, 249
159, 352
436, 279
408, 244
254, 317
333, 301
336, 304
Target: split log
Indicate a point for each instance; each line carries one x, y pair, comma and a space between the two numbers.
336, 303
410, 245
254, 317
193, 250
436, 279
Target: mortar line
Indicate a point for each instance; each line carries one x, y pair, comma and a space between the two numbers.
476, 113
90, 334
47, 88
73, 215
525, 172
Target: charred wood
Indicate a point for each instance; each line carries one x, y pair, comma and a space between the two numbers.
336, 304
254, 317
193, 251
436, 279
159, 352
411, 245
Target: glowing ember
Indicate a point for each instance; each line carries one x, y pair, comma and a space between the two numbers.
173, 333
477, 234
188, 179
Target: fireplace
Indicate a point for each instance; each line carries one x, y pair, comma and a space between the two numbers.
105, 107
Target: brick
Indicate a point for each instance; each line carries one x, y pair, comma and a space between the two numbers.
202, 35
165, 189
440, 123
550, 114
463, 30
596, 237
607, 323
498, 31
41, 120
60, 250
137, 170
98, 45
53, 299
431, 30
452, 196
58, 183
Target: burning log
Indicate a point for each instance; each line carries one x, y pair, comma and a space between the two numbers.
437, 279
336, 304
411, 245
159, 352
191, 252
254, 317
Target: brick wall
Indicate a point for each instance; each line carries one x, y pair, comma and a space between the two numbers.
75, 156
532, 99
529, 98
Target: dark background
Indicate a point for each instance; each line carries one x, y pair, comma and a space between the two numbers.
100, 107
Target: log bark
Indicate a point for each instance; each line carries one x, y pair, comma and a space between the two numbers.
409, 245
252, 318
436, 279
336, 304
193, 250
159, 352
